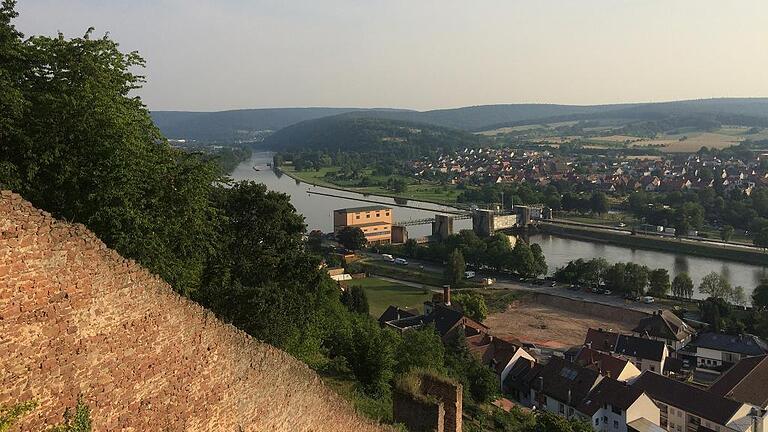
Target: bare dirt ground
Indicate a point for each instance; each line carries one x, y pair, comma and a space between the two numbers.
551, 326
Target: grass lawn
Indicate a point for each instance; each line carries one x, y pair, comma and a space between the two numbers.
383, 293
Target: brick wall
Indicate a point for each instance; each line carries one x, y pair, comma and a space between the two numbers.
418, 415
76, 318
450, 395
436, 407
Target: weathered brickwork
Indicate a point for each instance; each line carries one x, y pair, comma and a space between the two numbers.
436, 405
77, 318
418, 415
450, 395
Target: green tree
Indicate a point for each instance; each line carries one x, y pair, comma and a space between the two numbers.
88, 151
636, 278
352, 238
262, 279
472, 304
540, 262
682, 286
615, 278
397, 184
659, 282
355, 299
549, 422
598, 203
371, 354
454, 271
522, 260
738, 296
483, 382
760, 295
420, 349
410, 248
726, 233
715, 285
761, 238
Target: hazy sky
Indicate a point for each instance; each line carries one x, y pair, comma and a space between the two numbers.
223, 54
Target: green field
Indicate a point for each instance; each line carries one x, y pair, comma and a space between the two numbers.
383, 293
425, 191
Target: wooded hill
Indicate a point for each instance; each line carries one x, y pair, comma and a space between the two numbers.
228, 126
371, 135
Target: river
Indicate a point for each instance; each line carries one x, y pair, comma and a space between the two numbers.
318, 214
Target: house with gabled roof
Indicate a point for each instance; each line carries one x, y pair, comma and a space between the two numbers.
614, 405
716, 352
646, 354
665, 326
686, 408
746, 381
607, 365
497, 353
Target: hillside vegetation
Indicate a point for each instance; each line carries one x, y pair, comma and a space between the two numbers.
369, 135
226, 126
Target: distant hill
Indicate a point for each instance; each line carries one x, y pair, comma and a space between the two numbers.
226, 126
353, 133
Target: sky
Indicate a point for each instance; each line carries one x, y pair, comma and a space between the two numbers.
209, 55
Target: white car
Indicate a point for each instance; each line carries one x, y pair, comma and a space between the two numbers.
648, 299
401, 261
469, 274
388, 257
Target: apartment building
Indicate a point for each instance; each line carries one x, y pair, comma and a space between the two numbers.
374, 221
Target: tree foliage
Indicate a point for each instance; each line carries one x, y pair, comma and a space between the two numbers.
715, 285
454, 271
472, 304
355, 299
352, 238
659, 282
682, 286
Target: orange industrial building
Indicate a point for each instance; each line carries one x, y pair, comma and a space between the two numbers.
374, 221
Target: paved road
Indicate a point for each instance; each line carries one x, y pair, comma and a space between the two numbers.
506, 282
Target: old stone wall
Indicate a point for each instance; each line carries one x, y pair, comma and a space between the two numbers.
451, 397
417, 414
78, 319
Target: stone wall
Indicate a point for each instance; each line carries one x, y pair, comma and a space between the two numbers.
78, 319
450, 394
433, 403
419, 415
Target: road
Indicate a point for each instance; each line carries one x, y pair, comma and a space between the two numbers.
506, 282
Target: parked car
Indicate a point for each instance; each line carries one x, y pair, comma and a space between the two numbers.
607, 292
388, 257
469, 274
648, 299
401, 261
553, 284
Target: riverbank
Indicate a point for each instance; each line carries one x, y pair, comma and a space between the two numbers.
421, 193
738, 253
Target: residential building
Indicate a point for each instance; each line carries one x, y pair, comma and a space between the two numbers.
665, 326
374, 221
608, 365
746, 381
716, 352
613, 405
646, 354
497, 353
685, 408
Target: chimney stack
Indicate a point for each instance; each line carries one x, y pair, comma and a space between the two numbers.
447, 295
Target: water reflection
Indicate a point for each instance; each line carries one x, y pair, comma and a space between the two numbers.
318, 212
560, 250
